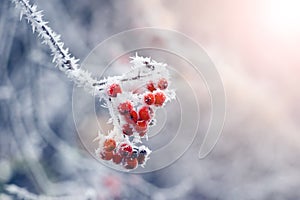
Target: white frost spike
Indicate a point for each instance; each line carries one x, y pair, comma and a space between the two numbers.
33, 27
21, 15
33, 8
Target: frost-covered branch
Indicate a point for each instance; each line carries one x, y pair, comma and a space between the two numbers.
61, 56
69, 64
131, 98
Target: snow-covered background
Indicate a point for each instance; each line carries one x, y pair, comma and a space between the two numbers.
254, 45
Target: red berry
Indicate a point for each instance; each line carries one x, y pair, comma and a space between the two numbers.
106, 155
125, 108
141, 159
131, 163
135, 152
159, 98
151, 87
162, 84
149, 98
132, 117
141, 126
109, 144
145, 113
114, 89
125, 149
117, 158
127, 130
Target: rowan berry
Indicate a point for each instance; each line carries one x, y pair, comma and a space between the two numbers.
149, 98
141, 159
125, 149
131, 163
106, 155
114, 89
145, 113
125, 107
150, 86
162, 83
109, 144
160, 98
127, 130
142, 156
117, 158
135, 152
132, 117
141, 126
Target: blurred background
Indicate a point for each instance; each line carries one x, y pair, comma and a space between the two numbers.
254, 45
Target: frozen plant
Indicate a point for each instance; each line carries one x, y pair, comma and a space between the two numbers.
132, 98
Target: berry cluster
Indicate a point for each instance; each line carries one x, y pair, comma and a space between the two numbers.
132, 100
132, 107
139, 119
124, 153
